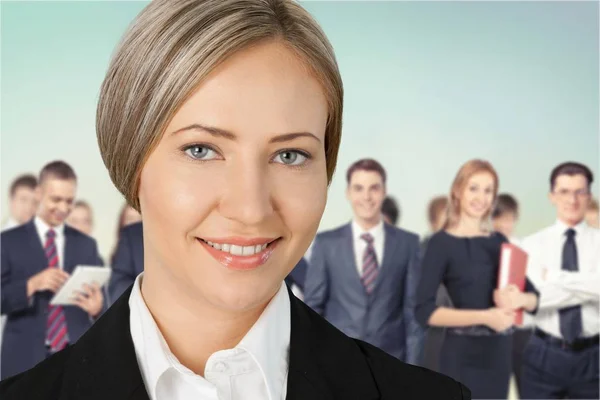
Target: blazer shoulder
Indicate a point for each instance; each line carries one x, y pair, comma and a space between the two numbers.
44, 381
332, 233
74, 233
16, 233
405, 235
133, 230
397, 379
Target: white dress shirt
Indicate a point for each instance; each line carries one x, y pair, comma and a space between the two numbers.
558, 288
257, 368
360, 245
42, 229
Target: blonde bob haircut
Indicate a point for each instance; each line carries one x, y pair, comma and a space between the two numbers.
168, 50
459, 185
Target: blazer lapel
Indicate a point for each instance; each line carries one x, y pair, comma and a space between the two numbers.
36, 246
102, 364
70, 247
346, 254
324, 363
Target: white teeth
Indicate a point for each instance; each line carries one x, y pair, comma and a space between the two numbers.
236, 250
247, 250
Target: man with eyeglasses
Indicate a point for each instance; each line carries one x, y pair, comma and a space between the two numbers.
561, 358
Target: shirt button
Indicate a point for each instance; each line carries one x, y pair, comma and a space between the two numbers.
220, 367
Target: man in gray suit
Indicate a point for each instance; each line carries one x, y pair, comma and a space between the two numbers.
362, 277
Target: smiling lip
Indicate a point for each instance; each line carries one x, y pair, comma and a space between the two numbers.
240, 262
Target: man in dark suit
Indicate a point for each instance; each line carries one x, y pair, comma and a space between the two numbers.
128, 261
37, 259
362, 276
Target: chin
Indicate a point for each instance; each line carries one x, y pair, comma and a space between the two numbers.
240, 298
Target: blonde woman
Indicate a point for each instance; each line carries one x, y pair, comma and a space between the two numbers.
464, 256
221, 121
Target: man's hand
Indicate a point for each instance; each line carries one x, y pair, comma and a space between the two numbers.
90, 299
49, 279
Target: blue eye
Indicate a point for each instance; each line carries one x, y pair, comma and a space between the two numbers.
199, 152
291, 157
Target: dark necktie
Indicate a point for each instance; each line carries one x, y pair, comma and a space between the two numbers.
369, 267
571, 324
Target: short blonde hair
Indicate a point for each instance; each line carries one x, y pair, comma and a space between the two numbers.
461, 180
171, 47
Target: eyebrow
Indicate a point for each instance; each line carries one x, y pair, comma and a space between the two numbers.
286, 137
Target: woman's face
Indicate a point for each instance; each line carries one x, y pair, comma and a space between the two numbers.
478, 195
233, 193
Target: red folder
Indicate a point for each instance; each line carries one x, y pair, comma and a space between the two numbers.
513, 266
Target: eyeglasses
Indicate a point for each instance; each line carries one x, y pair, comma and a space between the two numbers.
565, 193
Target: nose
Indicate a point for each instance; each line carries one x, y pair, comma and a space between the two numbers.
247, 198
63, 208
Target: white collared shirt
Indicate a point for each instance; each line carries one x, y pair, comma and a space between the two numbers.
360, 245
257, 368
42, 229
559, 288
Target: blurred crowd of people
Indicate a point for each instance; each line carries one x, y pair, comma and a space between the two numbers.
430, 301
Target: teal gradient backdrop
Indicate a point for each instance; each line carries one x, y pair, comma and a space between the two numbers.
428, 85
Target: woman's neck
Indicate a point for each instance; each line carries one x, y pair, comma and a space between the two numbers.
192, 328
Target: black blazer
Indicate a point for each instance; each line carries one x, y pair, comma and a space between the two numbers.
22, 256
324, 364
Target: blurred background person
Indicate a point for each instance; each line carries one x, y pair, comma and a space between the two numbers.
561, 358
505, 216
591, 215
362, 276
128, 216
127, 261
36, 260
504, 219
23, 206
391, 211
464, 255
437, 211
81, 218
22, 200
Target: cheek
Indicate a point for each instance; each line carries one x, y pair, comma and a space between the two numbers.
300, 199
180, 195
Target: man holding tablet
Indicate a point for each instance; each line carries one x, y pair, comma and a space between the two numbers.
37, 259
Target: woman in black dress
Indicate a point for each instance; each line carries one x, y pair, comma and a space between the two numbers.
464, 256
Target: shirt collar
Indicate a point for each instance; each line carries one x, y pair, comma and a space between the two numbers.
377, 231
267, 342
42, 228
561, 227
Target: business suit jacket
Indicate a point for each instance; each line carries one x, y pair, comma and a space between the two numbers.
128, 261
324, 364
298, 275
385, 318
22, 256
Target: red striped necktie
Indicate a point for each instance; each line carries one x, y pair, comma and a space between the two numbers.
369, 270
57, 336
